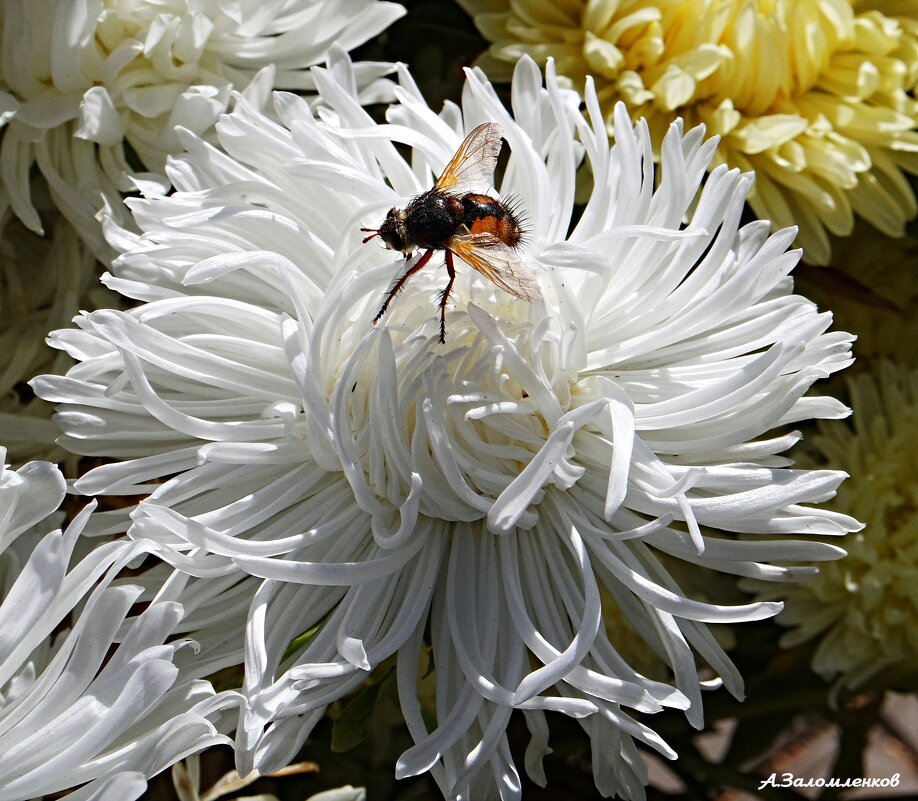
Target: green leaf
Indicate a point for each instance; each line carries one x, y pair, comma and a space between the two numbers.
352, 726
298, 642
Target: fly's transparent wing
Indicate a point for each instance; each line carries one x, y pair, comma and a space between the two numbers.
498, 262
474, 161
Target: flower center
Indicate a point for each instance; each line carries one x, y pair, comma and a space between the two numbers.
470, 429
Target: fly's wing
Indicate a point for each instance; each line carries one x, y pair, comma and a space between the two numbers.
498, 262
474, 161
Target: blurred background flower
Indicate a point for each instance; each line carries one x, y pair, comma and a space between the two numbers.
458, 505
871, 286
863, 610
815, 97
43, 282
92, 91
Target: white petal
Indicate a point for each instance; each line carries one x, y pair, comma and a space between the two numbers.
99, 121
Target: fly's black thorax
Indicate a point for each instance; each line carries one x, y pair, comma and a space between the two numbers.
432, 219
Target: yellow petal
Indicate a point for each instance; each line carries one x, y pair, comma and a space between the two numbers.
761, 133
836, 159
632, 89
872, 202
598, 14
492, 26
876, 34
546, 12
674, 88
603, 57
721, 119
850, 75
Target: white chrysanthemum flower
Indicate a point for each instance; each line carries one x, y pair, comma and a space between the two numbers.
100, 701
88, 87
460, 505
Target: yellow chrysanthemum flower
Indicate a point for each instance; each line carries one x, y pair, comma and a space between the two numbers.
865, 606
815, 96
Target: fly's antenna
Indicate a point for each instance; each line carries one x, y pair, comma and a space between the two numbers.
371, 231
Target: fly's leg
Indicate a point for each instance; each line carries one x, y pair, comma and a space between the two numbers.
444, 296
421, 262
